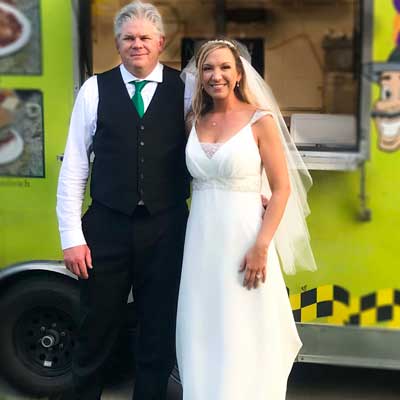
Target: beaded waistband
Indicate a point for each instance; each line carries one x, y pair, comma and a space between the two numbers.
243, 184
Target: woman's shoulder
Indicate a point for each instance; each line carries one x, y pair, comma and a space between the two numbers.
248, 108
254, 112
263, 124
261, 116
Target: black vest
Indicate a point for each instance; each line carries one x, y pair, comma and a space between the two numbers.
139, 158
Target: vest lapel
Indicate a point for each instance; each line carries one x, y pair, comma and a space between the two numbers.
159, 96
122, 88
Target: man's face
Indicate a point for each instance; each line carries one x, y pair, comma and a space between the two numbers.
387, 112
139, 46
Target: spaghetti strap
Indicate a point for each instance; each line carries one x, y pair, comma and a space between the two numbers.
259, 114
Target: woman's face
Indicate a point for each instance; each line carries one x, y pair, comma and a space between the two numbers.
219, 74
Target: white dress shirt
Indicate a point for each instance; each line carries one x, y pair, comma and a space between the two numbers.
74, 171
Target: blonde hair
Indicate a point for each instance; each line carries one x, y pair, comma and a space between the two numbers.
202, 102
138, 10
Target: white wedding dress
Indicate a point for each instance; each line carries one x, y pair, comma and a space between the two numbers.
232, 343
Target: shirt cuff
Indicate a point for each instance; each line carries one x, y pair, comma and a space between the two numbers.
72, 238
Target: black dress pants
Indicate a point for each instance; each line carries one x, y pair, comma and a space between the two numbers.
144, 252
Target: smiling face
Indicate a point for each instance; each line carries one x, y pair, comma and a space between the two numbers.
387, 112
139, 45
219, 74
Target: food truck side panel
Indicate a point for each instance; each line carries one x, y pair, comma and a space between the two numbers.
349, 310
28, 227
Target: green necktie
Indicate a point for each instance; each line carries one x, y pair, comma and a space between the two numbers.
137, 98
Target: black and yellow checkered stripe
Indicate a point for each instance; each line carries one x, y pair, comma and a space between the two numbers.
336, 305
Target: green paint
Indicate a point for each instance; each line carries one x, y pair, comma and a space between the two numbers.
359, 256
28, 227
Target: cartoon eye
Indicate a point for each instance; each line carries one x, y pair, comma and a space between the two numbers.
386, 93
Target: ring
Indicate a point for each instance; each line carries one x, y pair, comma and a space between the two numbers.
258, 276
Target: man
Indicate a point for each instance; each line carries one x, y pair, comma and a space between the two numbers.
132, 234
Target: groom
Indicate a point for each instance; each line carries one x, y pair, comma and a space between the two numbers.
133, 233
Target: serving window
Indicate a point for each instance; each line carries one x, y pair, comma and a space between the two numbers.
311, 53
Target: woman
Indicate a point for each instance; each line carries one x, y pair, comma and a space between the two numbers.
236, 337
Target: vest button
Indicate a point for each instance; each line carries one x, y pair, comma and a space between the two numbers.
141, 127
142, 143
142, 160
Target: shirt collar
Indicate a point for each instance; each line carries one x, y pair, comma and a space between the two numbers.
155, 76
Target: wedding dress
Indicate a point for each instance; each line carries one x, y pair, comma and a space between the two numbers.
232, 343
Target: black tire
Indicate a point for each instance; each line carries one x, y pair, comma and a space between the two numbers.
39, 317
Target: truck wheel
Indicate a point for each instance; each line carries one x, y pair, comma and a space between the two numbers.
39, 317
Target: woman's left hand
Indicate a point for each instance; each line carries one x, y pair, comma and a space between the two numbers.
254, 266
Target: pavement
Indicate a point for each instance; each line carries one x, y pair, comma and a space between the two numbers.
307, 382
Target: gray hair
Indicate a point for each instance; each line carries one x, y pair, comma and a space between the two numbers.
138, 10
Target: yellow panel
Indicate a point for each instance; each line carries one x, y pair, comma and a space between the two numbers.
295, 301
340, 311
395, 322
336, 320
354, 305
325, 293
368, 317
309, 313
385, 297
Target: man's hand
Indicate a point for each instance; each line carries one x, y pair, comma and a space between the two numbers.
264, 201
78, 259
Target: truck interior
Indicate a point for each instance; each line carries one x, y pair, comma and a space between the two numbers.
311, 52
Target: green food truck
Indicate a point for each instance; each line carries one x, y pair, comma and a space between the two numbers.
334, 67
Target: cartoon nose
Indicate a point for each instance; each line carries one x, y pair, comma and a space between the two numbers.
389, 105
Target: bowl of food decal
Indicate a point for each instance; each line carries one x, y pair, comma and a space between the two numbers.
15, 29
11, 145
11, 142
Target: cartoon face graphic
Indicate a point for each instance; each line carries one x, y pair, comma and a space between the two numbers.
386, 111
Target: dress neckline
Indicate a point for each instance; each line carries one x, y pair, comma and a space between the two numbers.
230, 137
211, 148
222, 145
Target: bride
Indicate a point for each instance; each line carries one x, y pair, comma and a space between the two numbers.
236, 337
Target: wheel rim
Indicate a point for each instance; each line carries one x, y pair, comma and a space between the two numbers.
44, 338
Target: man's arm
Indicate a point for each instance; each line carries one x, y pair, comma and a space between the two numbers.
73, 179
